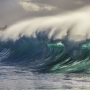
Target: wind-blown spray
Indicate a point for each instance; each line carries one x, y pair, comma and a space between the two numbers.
53, 44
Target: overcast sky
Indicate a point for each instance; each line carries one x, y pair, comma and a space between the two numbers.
12, 11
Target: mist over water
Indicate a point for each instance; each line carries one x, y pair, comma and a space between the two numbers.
71, 27
54, 50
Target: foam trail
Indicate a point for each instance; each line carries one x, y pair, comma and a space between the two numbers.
69, 28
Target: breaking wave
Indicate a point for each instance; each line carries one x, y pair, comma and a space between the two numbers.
55, 44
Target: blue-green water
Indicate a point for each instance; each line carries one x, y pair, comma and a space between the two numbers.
47, 53
43, 57
37, 65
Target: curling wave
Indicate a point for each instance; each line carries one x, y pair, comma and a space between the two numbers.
49, 44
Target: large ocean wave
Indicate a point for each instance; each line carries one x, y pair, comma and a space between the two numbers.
56, 44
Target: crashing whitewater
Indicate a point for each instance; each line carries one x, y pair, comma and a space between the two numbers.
56, 44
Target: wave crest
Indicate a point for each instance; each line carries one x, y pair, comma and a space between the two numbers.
50, 44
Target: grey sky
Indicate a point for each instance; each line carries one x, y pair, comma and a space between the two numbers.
12, 11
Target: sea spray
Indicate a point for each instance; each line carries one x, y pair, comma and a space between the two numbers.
49, 44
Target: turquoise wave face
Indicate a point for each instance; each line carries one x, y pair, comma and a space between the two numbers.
40, 56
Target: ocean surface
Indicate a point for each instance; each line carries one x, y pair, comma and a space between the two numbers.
47, 53
17, 78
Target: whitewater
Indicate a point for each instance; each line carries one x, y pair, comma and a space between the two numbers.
47, 47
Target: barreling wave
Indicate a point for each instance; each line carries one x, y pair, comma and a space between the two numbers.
55, 44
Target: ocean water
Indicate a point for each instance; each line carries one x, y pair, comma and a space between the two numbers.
47, 53
16, 78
